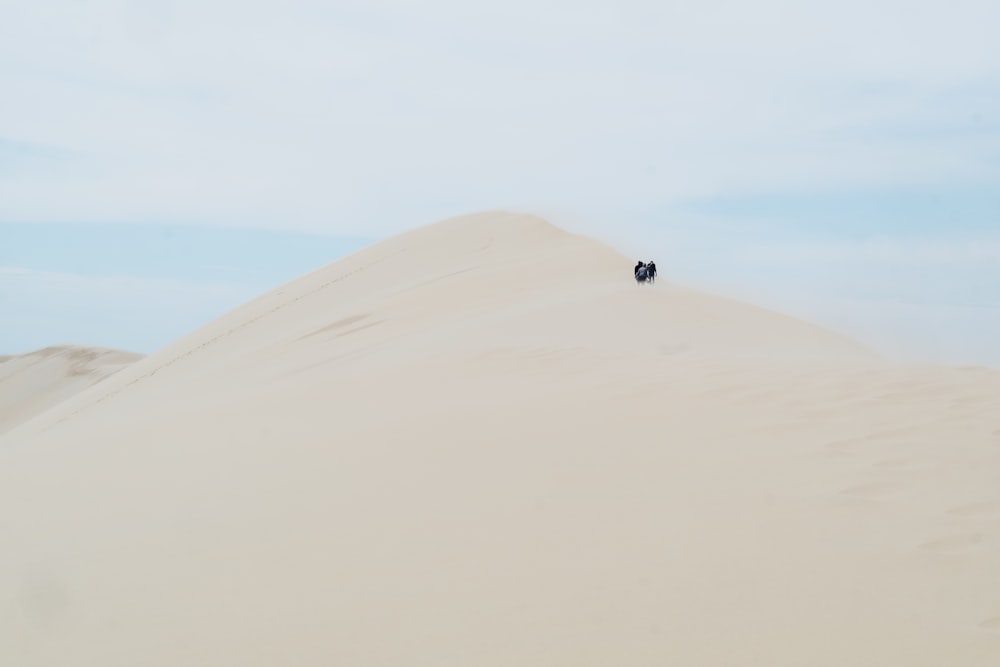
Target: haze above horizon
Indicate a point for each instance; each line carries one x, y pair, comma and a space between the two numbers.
162, 163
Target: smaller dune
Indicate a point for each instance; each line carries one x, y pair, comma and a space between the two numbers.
34, 382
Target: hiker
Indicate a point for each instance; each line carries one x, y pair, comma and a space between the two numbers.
651, 271
641, 273
637, 267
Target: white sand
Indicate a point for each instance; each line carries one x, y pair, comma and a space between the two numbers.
34, 382
480, 443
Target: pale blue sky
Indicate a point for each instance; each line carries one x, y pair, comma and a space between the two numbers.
837, 160
140, 287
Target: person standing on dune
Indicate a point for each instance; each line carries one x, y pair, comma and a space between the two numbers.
637, 267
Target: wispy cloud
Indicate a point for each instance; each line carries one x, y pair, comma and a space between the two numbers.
918, 253
369, 117
845, 150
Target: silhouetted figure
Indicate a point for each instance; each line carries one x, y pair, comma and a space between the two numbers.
641, 273
651, 271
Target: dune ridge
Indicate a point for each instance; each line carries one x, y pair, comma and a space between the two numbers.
32, 383
480, 442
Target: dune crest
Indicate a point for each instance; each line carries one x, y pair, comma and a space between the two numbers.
452, 285
480, 442
34, 382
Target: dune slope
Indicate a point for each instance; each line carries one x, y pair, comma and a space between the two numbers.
34, 382
481, 443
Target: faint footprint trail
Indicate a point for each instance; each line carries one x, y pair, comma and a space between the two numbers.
953, 544
899, 465
984, 510
872, 490
992, 624
225, 334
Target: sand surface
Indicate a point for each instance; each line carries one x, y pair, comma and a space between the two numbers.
34, 382
480, 443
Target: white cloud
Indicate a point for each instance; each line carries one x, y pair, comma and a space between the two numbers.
369, 117
915, 253
363, 118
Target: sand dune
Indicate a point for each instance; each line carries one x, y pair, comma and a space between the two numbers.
34, 382
481, 443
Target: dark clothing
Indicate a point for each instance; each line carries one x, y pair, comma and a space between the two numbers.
637, 267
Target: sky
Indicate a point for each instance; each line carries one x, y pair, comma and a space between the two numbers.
839, 161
